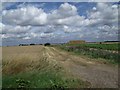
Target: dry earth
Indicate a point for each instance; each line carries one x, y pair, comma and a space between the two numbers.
98, 74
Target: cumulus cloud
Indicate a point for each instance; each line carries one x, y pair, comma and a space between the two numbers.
24, 32
30, 22
105, 14
25, 16
15, 29
71, 29
65, 10
31, 15
66, 14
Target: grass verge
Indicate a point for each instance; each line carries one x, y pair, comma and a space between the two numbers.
110, 57
46, 79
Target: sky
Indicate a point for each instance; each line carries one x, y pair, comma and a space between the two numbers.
58, 22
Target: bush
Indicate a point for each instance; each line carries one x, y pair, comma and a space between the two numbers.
47, 44
32, 44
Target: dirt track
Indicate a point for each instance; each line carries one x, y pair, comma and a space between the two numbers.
98, 74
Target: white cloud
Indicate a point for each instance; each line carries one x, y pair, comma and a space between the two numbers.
65, 10
114, 6
25, 16
71, 29
31, 22
15, 29
74, 21
70, 9
105, 14
44, 35
94, 8
26, 38
66, 14
30, 15
63, 14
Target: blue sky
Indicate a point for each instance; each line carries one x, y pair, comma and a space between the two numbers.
58, 22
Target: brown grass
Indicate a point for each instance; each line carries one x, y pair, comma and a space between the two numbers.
21, 59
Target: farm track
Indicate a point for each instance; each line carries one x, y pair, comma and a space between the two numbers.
99, 75
38, 57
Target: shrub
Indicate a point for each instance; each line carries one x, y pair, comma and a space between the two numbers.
47, 44
32, 44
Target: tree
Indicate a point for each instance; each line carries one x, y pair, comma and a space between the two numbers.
47, 44
32, 44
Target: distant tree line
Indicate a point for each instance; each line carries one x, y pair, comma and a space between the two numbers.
45, 44
23, 44
29, 44
111, 41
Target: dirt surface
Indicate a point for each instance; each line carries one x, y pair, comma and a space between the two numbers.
98, 74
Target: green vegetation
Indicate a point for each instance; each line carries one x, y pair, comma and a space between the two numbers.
47, 44
42, 79
104, 51
98, 46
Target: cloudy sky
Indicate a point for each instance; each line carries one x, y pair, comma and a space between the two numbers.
58, 22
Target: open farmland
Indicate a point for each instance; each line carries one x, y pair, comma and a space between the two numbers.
108, 52
51, 67
113, 46
35, 67
59, 44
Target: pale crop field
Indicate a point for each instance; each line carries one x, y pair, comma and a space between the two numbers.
19, 59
